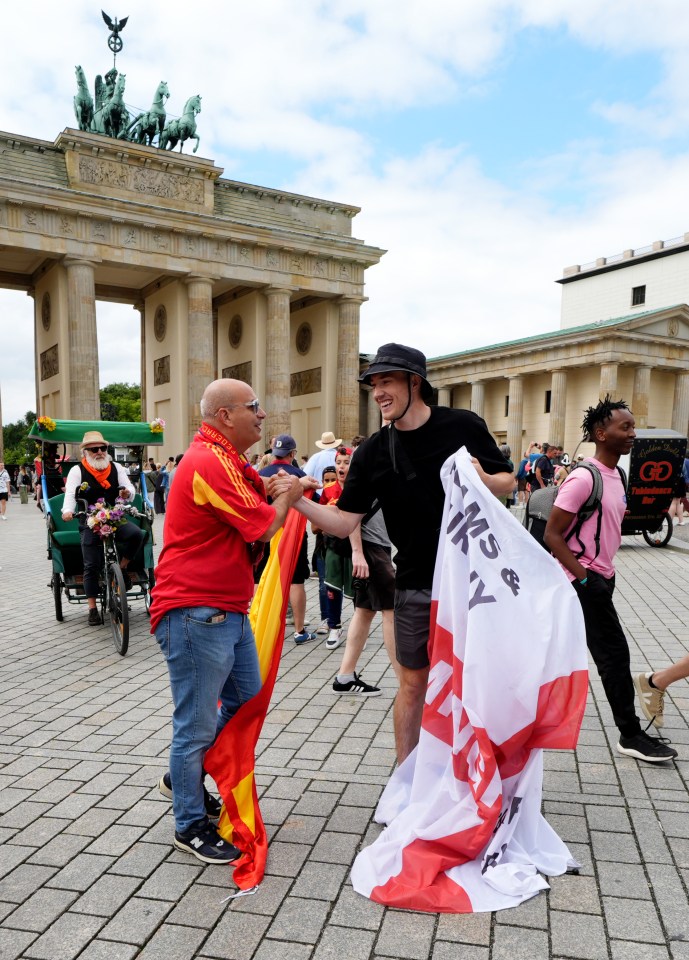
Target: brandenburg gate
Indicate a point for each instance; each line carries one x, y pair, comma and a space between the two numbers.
230, 279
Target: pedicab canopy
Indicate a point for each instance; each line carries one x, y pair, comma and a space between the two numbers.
120, 434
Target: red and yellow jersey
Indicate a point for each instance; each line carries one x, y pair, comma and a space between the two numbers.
215, 509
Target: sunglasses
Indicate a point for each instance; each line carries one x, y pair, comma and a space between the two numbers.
97, 449
254, 405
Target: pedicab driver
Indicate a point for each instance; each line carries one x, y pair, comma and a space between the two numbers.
96, 476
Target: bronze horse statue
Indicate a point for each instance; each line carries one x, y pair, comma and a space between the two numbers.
113, 118
149, 125
83, 102
177, 131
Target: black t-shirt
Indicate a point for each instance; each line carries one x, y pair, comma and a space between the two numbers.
545, 465
413, 509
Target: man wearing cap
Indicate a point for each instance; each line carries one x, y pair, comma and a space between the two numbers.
400, 467
327, 448
283, 450
98, 475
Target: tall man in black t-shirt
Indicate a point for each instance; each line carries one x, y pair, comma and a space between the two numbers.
400, 467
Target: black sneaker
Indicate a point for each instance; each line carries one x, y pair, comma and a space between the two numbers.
213, 806
203, 841
643, 747
94, 617
357, 685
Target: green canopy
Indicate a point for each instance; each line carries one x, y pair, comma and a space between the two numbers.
117, 434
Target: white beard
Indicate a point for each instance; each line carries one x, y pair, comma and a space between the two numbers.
99, 461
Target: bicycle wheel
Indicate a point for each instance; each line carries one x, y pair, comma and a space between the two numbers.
118, 609
658, 538
56, 584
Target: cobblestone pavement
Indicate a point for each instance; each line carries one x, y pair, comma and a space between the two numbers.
87, 865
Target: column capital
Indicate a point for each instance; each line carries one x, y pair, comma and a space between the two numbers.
351, 298
81, 262
274, 291
198, 278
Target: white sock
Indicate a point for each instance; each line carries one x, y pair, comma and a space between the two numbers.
345, 677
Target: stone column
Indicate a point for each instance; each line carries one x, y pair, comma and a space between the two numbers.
444, 396
277, 399
642, 389
608, 380
680, 404
515, 416
558, 407
347, 389
84, 395
374, 419
478, 396
140, 305
199, 346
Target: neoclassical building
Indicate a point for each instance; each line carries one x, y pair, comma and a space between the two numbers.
230, 279
624, 331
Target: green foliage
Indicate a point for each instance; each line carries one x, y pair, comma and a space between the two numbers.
120, 401
19, 449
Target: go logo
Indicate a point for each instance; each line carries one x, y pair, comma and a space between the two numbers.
655, 470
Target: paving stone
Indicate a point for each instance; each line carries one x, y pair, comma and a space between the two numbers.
136, 921
286, 859
335, 847
93, 823
615, 847
14, 942
170, 881
671, 901
107, 895
19, 885
200, 906
279, 950
314, 803
623, 880
530, 913
173, 943
353, 910
107, 950
615, 819
41, 909
236, 936
624, 950
511, 943
11, 856
266, 901
448, 951
287, 788
405, 935
347, 819
66, 938
60, 850
322, 881
632, 920
301, 921
301, 829
116, 840
464, 928
577, 935
356, 944
576, 894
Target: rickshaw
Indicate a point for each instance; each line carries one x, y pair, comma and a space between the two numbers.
652, 468
63, 537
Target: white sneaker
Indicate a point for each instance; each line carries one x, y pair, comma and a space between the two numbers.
323, 627
335, 638
4, 517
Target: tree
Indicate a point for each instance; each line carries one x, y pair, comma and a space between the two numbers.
18, 448
120, 401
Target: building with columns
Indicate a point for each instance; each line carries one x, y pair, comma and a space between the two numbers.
624, 331
229, 279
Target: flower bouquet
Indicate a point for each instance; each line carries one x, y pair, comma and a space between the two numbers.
157, 425
104, 519
46, 423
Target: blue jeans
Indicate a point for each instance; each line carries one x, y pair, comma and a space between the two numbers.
207, 662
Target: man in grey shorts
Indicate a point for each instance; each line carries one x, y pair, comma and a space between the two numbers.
400, 467
374, 592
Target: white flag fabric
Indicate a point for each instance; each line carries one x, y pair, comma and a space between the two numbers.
508, 678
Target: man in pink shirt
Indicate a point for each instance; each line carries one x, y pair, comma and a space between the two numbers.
590, 567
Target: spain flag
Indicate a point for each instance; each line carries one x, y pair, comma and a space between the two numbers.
231, 759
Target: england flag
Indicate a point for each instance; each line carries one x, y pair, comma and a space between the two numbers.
508, 679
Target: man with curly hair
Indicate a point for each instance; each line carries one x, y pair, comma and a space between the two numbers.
588, 561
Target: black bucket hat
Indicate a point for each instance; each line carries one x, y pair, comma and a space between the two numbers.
395, 356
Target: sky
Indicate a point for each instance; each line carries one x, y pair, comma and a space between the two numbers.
489, 144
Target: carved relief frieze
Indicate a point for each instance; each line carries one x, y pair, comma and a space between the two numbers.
100, 231
32, 219
272, 259
49, 363
66, 225
305, 381
155, 183
161, 371
160, 240
239, 371
129, 237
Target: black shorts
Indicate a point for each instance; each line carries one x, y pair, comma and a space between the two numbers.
4, 496
412, 627
378, 592
301, 571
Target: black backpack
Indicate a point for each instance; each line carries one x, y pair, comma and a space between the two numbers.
540, 505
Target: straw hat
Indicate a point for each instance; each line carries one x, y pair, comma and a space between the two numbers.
92, 436
328, 441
